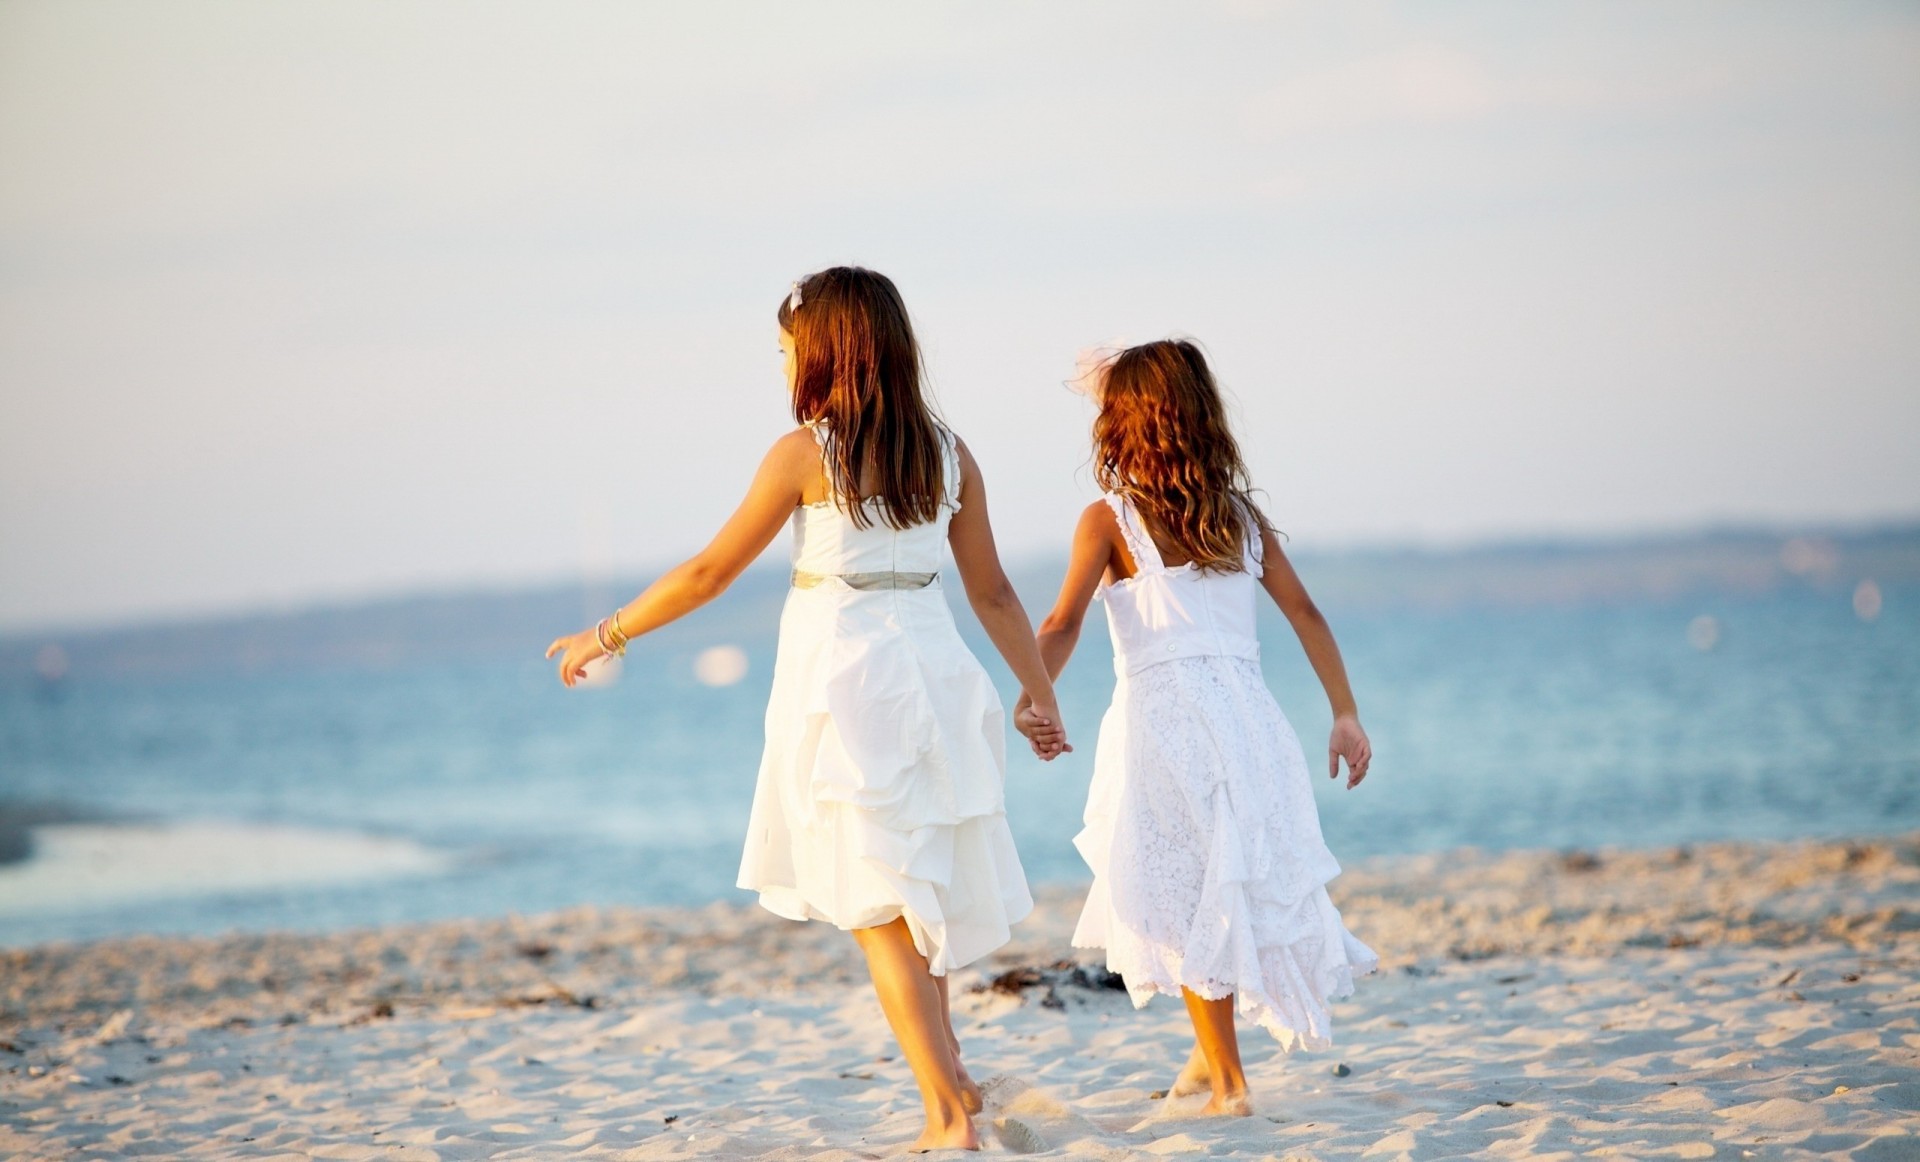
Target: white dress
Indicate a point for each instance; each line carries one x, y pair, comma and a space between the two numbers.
1209, 869
881, 788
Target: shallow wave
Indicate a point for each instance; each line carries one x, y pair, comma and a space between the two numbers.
80, 866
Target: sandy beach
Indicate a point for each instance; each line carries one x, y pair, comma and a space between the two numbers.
1724, 1001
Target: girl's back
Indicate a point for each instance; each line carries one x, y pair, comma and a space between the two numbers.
828, 542
1183, 611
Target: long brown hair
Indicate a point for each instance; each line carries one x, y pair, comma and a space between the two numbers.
1161, 440
857, 373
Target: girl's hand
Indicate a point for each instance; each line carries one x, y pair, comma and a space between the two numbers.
1349, 742
1042, 728
575, 652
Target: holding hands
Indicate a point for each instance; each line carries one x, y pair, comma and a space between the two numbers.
1041, 727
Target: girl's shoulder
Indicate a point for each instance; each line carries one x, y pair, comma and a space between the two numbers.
796, 454
803, 440
1100, 523
1114, 511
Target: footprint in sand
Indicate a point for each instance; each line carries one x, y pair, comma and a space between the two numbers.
1015, 1133
1018, 1137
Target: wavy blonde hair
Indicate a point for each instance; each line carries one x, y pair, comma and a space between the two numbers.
1162, 440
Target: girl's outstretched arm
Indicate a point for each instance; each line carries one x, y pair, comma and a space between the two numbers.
790, 465
998, 607
1349, 740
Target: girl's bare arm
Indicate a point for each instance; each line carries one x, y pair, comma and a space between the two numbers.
994, 602
791, 464
1093, 541
1349, 740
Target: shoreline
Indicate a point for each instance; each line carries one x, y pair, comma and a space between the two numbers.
77, 866
20, 819
281, 855
1690, 1000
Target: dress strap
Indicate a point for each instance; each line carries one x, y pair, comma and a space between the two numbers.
820, 437
1256, 546
1146, 555
950, 466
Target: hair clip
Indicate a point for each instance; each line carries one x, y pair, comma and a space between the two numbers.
793, 300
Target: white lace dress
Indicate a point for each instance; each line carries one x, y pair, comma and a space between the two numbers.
881, 787
1209, 868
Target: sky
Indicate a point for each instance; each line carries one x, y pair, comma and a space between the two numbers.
311, 302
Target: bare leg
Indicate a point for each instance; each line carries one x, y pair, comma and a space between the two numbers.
911, 1000
969, 1092
1218, 1045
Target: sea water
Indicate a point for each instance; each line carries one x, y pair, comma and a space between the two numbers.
415, 783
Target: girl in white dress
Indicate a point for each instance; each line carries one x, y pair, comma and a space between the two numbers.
1209, 869
879, 806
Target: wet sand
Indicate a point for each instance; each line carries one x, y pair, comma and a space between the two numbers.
1728, 1001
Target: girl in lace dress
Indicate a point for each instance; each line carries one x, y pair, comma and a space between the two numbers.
1209, 870
879, 806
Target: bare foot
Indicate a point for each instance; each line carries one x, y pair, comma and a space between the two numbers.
1229, 1105
1194, 1077
957, 1136
969, 1092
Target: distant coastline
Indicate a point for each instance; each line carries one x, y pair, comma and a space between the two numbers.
495, 622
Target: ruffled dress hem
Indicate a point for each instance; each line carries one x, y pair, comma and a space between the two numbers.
1288, 991
960, 895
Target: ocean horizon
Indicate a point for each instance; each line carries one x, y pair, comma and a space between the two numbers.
413, 758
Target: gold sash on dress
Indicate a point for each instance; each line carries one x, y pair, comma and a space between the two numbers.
805, 580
